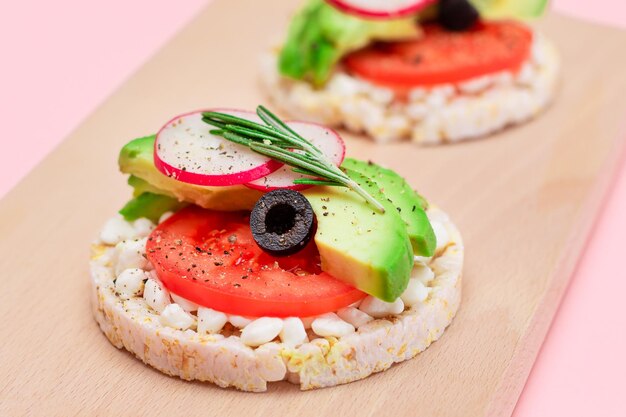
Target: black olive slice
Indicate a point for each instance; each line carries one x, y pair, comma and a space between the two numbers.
457, 15
282, 222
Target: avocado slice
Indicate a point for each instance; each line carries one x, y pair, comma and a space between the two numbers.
510, 9
149, 205
136, 158
358, 244
140, 186
409, 204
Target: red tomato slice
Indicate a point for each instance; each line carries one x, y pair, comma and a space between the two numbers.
442, 56
210, 258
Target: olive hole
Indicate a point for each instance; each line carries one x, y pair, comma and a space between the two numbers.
280, 219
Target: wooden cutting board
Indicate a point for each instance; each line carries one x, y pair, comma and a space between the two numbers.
524, 199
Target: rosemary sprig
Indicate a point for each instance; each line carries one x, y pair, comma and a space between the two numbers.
281, 143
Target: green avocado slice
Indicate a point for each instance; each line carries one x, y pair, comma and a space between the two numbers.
409, 204
149, 205
140, 186
358, 244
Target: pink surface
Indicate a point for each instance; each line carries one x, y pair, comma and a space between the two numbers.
61, 59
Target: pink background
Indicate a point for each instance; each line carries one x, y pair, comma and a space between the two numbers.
61, 59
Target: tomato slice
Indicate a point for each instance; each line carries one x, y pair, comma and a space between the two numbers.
211, 258
441, 56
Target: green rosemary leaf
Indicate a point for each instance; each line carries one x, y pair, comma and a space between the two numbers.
303, 171
258, 136
271, 119
229, 119
222, 120
281, 143
233, 137
289, 159
214, 123
316, 161
310, 181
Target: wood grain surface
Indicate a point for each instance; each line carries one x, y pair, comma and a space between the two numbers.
524, 199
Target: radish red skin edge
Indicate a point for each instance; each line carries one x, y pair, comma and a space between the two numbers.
325, 138
391, 12
222, 179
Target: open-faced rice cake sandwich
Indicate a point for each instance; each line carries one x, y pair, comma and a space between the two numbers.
253, 251
432, 71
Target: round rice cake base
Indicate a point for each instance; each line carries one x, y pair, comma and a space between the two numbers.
224, 360
428, 116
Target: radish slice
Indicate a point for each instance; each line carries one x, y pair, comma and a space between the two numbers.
326, 139
381, 8
186, 151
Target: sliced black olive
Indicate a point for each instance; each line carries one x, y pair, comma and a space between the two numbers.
457, 15
282, 222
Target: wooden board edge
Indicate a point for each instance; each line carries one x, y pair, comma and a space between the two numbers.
520, 366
